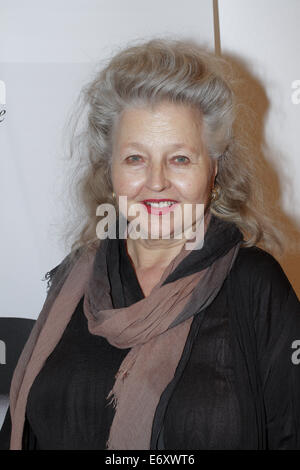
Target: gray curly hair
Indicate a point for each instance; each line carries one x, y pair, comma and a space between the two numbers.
182, 72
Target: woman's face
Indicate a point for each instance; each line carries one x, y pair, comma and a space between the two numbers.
159, 154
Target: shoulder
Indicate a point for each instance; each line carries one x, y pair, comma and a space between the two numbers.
253, 265
256, 259
60, 271
259, 286
262, 290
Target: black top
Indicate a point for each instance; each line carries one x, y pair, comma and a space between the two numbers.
66, 405
214, 400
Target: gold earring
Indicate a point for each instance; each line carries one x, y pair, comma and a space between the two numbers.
114, 195
214, 194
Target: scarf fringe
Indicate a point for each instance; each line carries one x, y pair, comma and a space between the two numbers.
113, 394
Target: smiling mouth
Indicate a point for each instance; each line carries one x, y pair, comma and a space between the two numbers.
160, 208
159, 204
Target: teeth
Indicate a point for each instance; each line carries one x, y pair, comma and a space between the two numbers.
160, 204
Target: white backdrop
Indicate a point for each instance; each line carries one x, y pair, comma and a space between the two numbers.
48, 51
265, 37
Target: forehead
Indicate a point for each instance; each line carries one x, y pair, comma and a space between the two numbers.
169, 122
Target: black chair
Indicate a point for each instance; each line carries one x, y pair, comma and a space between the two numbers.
14, 333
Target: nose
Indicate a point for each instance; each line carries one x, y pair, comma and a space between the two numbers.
156, 177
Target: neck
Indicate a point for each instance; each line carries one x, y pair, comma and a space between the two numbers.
148, 253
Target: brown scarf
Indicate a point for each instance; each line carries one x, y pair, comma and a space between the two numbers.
155, 328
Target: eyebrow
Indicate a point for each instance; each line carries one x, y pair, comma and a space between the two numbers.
174, 146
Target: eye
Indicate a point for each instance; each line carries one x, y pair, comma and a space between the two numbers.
134, 157
182, 159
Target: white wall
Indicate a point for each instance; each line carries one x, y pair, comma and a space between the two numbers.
264, 36
48, 50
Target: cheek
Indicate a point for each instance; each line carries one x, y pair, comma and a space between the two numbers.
125, 182
194, 187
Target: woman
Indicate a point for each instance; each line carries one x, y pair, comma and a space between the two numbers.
142, 343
